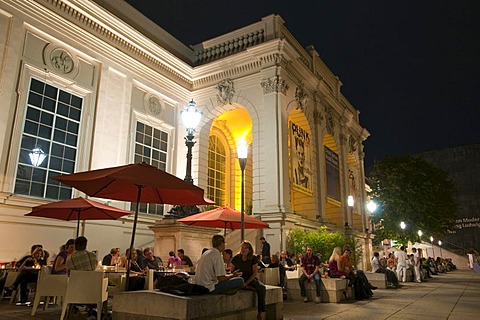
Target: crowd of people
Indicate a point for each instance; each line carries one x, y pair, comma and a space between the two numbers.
222, 271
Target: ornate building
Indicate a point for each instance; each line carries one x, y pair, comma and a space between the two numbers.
93, 84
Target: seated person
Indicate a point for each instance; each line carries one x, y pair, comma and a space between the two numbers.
227, 259
310, 264
137, 282
82, 259
376, 267
28, 267
112, 258
150, 261
363, 288
173, 261
275, 263
60, 262
186, 261
286, 261
210, 271
247, 263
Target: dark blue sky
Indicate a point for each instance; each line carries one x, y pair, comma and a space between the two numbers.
412, 68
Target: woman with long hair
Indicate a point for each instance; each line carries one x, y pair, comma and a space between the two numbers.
334, 272
246, 262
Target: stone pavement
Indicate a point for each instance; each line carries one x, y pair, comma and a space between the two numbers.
455, 295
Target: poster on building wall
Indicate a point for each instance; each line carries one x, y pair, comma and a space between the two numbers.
301, 151
333, 174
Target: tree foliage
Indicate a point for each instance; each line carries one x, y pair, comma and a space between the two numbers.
321, 241
414, 191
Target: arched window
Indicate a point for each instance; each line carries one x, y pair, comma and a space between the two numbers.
217, 170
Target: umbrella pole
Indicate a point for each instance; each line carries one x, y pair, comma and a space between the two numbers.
78, 224
129, 258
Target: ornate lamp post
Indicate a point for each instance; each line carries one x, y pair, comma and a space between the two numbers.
191, 118
242, 150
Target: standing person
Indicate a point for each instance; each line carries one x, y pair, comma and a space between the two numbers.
60, 262
247, 263
186, 261
376, 267
401, 262
82, 259
416, 265
265, 250
310, 264
210, 271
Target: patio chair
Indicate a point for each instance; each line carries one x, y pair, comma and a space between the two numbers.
11, 276
49, 285
86, 287
16, 293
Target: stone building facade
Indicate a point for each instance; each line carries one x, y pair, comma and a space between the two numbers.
94, 84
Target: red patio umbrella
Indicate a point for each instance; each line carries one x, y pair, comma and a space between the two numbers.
77, 209
140, 183
223, 217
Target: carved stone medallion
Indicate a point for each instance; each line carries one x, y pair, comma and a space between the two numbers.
61, 61
225, 92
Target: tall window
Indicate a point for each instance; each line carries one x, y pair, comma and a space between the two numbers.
50, 134
216, 170
151, 146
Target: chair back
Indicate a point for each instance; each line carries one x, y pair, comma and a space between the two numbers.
86, 287
272, 276
11, 276
49, 285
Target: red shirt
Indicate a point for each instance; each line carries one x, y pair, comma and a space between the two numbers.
310, 263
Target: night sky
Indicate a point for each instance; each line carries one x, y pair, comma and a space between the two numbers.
412, 68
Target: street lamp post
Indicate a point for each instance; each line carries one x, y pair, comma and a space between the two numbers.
403, 225
242, 150
433, 249
372, 207
350, 203
191, 118
440, 245
420, 233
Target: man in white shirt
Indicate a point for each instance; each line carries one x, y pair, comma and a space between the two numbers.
210, 271
401, 261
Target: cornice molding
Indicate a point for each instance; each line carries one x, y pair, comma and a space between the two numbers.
65, 10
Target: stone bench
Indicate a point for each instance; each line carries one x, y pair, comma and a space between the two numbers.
332, 290
155, 305
378, 280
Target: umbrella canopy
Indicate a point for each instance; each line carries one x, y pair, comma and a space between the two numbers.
123, 183
77, 209
140, 183
223, 217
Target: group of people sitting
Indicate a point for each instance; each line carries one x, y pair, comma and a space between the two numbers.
73, 255
409, 267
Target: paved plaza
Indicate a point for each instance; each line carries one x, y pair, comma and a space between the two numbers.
455, 295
